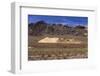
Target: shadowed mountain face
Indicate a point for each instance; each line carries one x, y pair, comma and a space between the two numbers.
41, 28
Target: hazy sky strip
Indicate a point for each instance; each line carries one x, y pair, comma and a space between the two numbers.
72, 20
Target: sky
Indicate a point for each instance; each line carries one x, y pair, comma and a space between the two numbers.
71, 20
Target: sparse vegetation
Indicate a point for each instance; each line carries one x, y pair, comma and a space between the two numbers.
43, 28
61, 50
56, 53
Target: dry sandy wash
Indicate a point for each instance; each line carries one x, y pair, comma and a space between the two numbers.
58, 40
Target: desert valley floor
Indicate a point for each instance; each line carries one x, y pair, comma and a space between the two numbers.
57, 47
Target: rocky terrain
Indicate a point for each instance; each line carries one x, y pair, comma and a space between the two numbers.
56, 41
43, 28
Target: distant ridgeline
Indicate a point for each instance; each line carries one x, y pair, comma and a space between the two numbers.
42, 28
